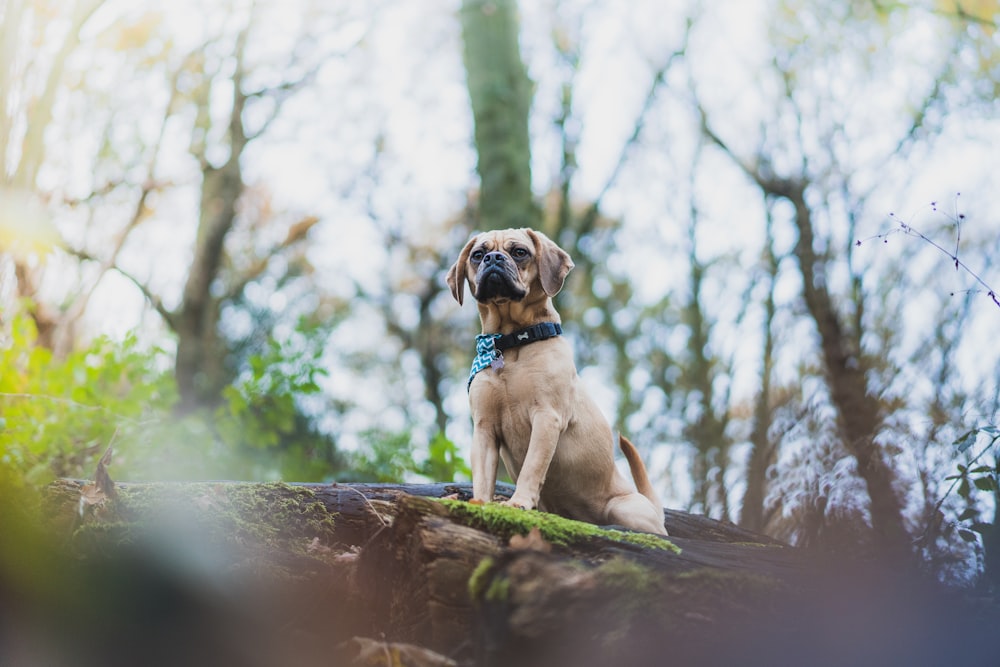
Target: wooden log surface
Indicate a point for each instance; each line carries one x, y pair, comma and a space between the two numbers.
355, 573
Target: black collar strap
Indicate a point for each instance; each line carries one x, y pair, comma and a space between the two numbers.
529, 335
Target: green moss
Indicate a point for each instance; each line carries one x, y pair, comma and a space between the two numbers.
479, 577
627, 575
498, 591
273, 525
486, 585
728, 582
98, 537
633, 590
279, 512
508, 521
268, 514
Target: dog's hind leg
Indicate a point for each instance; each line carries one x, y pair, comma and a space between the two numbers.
635, 511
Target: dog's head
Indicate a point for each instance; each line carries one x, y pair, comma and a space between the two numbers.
509, 265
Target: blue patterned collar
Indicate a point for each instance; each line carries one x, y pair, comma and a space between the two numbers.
490, 347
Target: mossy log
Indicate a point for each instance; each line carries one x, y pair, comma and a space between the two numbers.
262, 574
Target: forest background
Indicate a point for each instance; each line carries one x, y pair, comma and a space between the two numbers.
225, 229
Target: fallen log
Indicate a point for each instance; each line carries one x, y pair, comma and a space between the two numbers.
263, 574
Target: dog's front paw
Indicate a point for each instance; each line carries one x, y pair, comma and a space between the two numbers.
519, 503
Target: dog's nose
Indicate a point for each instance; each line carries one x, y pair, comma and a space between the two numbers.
494, 257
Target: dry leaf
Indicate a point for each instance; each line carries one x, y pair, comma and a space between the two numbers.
102, 489
101, 476
365, 651
315, 547
533, 541
346, 558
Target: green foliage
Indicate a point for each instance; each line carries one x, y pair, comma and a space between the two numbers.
444, 461
971, 478
262, 416
58, 415
389, 457
386, 457
260, 407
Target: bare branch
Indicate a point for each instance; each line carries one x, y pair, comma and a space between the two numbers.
40, 111
168, 316
280, 94
296, 234
138, 213
656, 83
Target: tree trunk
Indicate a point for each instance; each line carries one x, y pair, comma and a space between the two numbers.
500, 93
200, 362
762, 452
31, 103
708, 431
859, 418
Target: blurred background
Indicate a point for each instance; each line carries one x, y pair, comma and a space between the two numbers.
225, 228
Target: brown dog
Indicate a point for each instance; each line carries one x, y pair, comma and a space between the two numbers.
528, 405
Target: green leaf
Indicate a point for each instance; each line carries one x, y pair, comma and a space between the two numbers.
969, 514
986, 483
966, 440
444, 460
967, 535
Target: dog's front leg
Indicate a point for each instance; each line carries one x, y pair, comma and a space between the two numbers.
485, 459
546, 428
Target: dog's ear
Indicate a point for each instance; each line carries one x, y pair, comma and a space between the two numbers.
456, 274
554, 263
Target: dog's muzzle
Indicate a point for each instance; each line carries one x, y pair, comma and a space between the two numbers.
497, 278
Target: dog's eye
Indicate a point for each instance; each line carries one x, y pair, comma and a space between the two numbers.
519, 253
477, 256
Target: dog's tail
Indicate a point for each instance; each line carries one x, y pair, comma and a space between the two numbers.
639, 475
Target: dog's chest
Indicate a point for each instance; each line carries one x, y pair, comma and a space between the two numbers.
533, 379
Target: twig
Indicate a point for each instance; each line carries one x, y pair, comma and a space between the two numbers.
368, 502
56, 399
910, 230
78, 404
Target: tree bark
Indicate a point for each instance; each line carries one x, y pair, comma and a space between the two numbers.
762, 452
500, 93
859, 413
200, 362
708, 431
